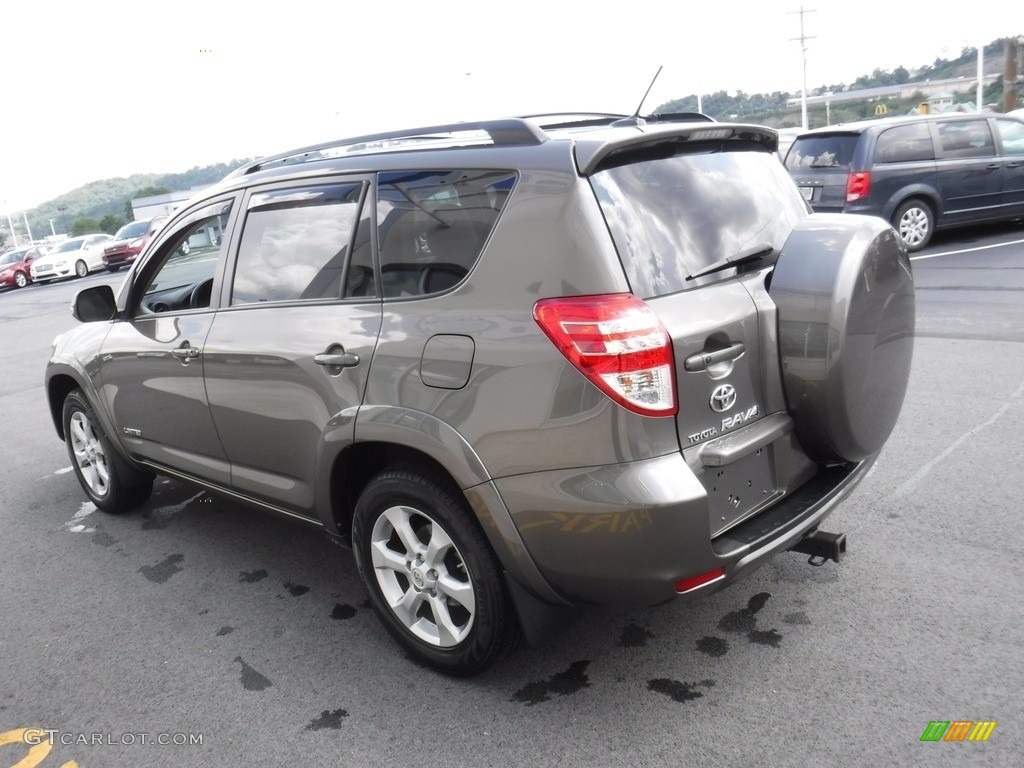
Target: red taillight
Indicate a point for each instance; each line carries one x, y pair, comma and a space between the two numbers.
858, 186
618, 343
686, 585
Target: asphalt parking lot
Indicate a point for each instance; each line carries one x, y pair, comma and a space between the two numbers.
242, 639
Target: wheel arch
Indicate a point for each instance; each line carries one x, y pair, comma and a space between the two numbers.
916, 191
389, 436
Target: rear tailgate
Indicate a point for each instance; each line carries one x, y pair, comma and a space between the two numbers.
677, 223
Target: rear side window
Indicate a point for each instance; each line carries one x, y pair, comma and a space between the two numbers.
296, 244
432, 226
1012, 134
834, 150
674, 217
904, 144
966, 138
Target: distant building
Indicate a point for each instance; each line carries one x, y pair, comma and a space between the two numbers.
162, 205
929, 89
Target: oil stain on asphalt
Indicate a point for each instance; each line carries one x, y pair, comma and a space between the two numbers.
573, 680
251, 679
163, 570
327, 719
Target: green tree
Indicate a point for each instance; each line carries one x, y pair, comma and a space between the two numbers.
111, 223
84, 225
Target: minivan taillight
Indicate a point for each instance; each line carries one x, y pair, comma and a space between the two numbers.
617, 342
858, 186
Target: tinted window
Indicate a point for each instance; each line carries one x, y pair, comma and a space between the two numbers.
904, 143
295, 243
826, 151
672, 218
433, 226
966, 138
1012, 134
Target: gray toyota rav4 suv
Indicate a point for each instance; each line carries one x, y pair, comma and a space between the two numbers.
519, 366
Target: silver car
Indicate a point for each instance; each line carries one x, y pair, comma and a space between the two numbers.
519, 367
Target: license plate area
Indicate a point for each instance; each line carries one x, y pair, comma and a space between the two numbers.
808, 193
740, 489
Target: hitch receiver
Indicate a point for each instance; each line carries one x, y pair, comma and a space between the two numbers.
822, 546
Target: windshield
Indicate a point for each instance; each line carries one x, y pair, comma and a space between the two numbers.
677, 217
70, 245
11, 257
132, 230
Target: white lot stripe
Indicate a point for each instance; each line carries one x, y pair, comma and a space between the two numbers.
910, 485
966, 250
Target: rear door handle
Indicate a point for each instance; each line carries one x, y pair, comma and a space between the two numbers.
702, 361
337, 360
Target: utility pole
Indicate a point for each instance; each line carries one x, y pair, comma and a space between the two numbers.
803, 49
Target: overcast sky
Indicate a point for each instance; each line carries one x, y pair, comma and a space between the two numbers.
107, 88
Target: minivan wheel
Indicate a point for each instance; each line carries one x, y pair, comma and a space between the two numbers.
430, 573
111, 484
81, 268
915, 222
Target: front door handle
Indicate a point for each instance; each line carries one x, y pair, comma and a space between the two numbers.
186, 352
337, 360
704, 360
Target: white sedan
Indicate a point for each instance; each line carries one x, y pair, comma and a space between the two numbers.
75, 256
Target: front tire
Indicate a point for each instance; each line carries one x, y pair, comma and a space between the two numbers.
20, 280
113, 268
108, 481
81, 268
915, 222
430, 573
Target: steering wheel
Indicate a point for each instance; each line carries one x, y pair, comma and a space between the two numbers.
201, 295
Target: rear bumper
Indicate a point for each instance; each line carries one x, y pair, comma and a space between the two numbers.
628, 533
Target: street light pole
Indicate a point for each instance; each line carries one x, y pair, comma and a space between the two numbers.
27, 227
803, 49
10, 226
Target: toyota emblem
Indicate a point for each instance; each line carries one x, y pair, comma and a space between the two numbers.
723, 398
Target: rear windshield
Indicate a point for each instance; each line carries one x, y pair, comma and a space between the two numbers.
674, 217
828, 151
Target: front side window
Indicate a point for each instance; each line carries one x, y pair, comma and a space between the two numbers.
296, 243
432, 226
966, 138
181, 276
904, 144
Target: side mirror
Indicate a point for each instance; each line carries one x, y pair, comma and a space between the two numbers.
94, 304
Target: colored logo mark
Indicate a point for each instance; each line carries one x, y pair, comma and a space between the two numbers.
958, 730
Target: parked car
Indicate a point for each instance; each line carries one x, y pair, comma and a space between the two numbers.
129, 241
74, 257
921, 173
15, 266
520, 366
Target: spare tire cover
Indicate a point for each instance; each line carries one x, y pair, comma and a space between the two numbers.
845, 296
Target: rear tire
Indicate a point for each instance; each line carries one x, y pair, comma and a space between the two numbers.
81, 268
113, 268
430, 573
20, 280
914, 220
106, 478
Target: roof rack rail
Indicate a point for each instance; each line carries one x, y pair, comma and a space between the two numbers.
555, 120
506, 132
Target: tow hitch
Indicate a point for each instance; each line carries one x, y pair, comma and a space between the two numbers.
822, 546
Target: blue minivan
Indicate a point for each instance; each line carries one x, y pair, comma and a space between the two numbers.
920, 173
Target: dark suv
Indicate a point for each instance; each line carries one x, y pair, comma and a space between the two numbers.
519, 366
920, 173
